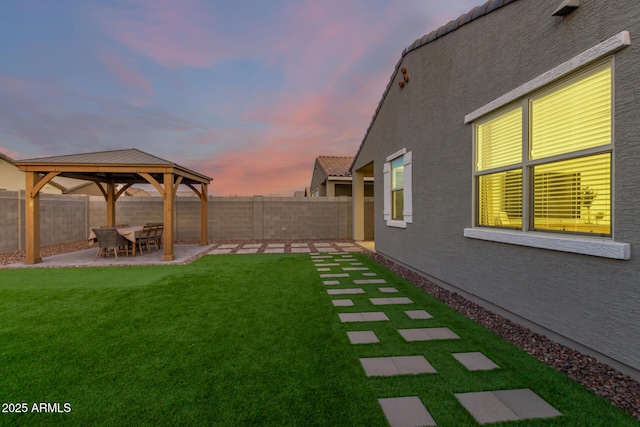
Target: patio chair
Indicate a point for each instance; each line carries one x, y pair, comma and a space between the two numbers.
156, 238
108, 238
144, 239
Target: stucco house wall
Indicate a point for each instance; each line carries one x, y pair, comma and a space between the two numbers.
591, 303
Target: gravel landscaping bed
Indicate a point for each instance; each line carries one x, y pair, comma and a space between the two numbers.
618, 388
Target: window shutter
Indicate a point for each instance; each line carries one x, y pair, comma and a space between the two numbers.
387, 191
408, 203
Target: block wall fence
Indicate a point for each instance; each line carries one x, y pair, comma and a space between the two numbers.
69, 218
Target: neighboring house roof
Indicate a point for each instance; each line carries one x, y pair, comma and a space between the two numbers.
463, 19
54, 182
335, 165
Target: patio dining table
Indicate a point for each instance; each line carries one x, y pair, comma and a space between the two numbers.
130, 233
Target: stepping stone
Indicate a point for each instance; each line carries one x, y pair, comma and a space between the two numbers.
369, 274
324, 269
406, 412
334, 275
427, 334
275, 245
353, 249
390, 301
274, 251
331, 282
252, 245
357, 263
396, 365
300, 250
418, 314
355, 268
506, 405
247, 251
331, 264
342, 303
299, 245
322, 245
475, 361
227, 246
220, 251
371, 316
352, 291
388, 290
362, 337
369, 281
327, 250
343, 244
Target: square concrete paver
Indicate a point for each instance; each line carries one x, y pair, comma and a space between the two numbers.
322, 245
427, 334
406, 412
274, 251
349, 291
418, 314
396, 365
369, 281
327, 250
331, 282
506, 405
342, 303
300, 250
388, 290
247, 251
344, 244
475, 361
362, 337
328, 276
390, 301
370, 316
315, 256
220, 251
328, 264
275, 245
299, 245
252, 245
353, 249
227, 246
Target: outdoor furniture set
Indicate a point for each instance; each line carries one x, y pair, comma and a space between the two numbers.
123, 238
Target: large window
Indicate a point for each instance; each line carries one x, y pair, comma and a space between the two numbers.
398, 210
544, 163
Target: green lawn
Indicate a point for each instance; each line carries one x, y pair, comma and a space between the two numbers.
239, 340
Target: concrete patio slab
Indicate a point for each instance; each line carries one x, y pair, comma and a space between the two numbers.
218, 251
396, 365
326, 250
418, 314
388, 290
369, 281
475, 361
329, 264
406, 412
353, 249
327, 276
331, 282
362, 337
85, 258
322, 245
227, 246
299, 245
375, 316
252, 245
275, 245
315, 256
344, 244
342, 303
506, 405
351, 291
390, 301
427, 334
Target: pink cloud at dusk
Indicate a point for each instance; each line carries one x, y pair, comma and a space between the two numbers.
247, 92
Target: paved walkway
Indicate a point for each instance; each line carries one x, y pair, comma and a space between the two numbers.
349, 277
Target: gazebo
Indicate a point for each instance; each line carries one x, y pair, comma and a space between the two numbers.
112, 168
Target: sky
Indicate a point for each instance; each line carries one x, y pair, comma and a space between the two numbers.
247, 92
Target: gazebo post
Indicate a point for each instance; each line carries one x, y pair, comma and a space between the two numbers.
32, 219
167, 239
111, 204
204, 231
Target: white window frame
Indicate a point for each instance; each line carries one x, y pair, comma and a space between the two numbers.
407, 189
593, 246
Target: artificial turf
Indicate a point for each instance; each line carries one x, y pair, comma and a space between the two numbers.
234, 340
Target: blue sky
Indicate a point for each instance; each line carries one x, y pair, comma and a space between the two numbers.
246, 92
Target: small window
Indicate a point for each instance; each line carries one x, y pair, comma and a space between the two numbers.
397, 189
398, 207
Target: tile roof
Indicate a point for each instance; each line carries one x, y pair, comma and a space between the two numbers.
335, 165
475, 13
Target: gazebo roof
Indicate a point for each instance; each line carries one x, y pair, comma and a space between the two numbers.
116, 165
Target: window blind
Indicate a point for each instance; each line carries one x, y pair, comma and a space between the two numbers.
499, 141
